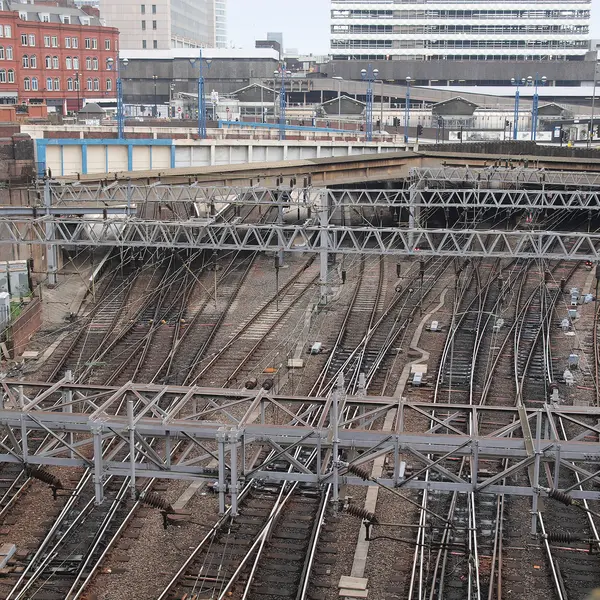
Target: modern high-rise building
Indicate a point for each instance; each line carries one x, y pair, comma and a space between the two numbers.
460, 30
221, 23
161, 24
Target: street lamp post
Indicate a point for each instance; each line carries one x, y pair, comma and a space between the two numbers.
407, 110
535, 105
154, 78
120, 114
517, 82
380, 81
171, 108
282, 98
369, 75
201, 95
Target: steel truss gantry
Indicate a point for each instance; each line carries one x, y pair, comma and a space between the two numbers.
513, 175
421, 196
302, 238
214, 432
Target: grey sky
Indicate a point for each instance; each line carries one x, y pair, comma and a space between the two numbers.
304, 23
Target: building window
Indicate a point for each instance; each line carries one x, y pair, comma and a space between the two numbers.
9, 53
67, 42
33, 61
34, 84
31, 39
11, 76
154, 25
75, 42
7, 31
155, 44
95, 63
46, 41
49, 84
2, 75
143, 9
88, 43
54, 41
45, 17
55, 63
23, 15
69, 62
144, 44
84, 20
154, 9
56, 84
77, 84
1, 52
88, 63
25, 61
48, 62
94, 44
69, 85
66, 19
143, 25
96, 85
89, 84
1, 30
23, 39
76, 62
109, 85
107, 44
26, 84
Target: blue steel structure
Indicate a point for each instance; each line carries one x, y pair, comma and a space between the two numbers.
282, 99
369, 75
201, 97
535, 105
516, 82
407, 110
120, 113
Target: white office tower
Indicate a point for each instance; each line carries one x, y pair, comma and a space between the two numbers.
460, 30
161, 24
221, 23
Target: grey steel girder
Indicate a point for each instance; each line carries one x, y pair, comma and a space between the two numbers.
516, 175
434, 196
60, 409
312, 238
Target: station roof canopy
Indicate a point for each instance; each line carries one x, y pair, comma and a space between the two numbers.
454, 107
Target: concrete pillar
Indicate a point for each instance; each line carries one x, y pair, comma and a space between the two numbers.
213, 155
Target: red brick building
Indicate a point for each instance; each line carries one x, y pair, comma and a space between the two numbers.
55, 54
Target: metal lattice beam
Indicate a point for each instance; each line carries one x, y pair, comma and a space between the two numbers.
518, 175
308, 237
435, 196
93, 413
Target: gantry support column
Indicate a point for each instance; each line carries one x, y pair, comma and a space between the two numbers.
51, 249
324, 245
414, 212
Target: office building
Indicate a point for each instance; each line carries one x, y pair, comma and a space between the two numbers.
221, 23
55, 54
460, 30
161, 24
276, 36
